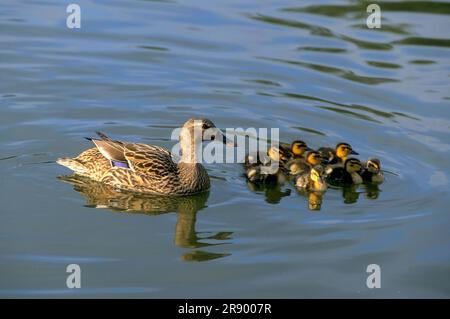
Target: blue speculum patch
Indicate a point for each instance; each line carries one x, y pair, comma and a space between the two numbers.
120, 164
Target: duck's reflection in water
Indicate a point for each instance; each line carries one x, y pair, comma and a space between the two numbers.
99, 195
350, 194
372, 191
314, 198
272, 192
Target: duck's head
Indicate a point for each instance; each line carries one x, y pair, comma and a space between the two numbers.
373, 165
352, 165
276, 154
343, 150
198, 130
298, 148
314, 158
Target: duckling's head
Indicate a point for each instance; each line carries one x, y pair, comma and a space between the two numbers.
276, 154
298, 148
314, 158
374, 165
352, 165
343, 150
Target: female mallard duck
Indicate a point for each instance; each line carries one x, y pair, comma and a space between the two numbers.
297, 166
338, 155
148, 168
312, 180
346, 175
371, 171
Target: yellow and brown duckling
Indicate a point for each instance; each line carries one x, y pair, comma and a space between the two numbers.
263, 174
347, 174
273, 154
297, 166
297, 149
371, 171
337, 155
312, 180
264, 169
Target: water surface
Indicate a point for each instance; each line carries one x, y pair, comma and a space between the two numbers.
138, 69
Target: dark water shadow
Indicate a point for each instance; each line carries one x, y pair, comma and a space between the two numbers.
99, 195
273, 193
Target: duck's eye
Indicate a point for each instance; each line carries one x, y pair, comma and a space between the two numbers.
213, 138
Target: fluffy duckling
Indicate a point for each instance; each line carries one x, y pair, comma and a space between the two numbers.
266, 169
297, 166
256, 159
261, 174
312, 180
297, 149
347, 175
371, 171
338, 155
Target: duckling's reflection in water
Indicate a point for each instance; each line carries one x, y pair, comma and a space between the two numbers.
99, 195
351, 193
272, 192
372, 191
315, 198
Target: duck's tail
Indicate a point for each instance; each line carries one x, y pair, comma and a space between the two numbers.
73, 164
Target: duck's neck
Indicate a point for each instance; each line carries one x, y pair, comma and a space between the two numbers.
190, 151
192, 174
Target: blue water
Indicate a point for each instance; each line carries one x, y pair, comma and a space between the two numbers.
138, 69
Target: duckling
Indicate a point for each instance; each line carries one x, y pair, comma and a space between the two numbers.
262, 174
297, 149
371, 171
312, 180
266, 169
338, 155
296, 166
256, 159
347, 175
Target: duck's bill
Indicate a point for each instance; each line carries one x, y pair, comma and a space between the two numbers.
308, 149
354, 153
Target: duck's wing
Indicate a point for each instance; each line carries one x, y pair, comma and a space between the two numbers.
110, 149
149, 159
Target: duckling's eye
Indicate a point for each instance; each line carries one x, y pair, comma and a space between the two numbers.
213, 138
